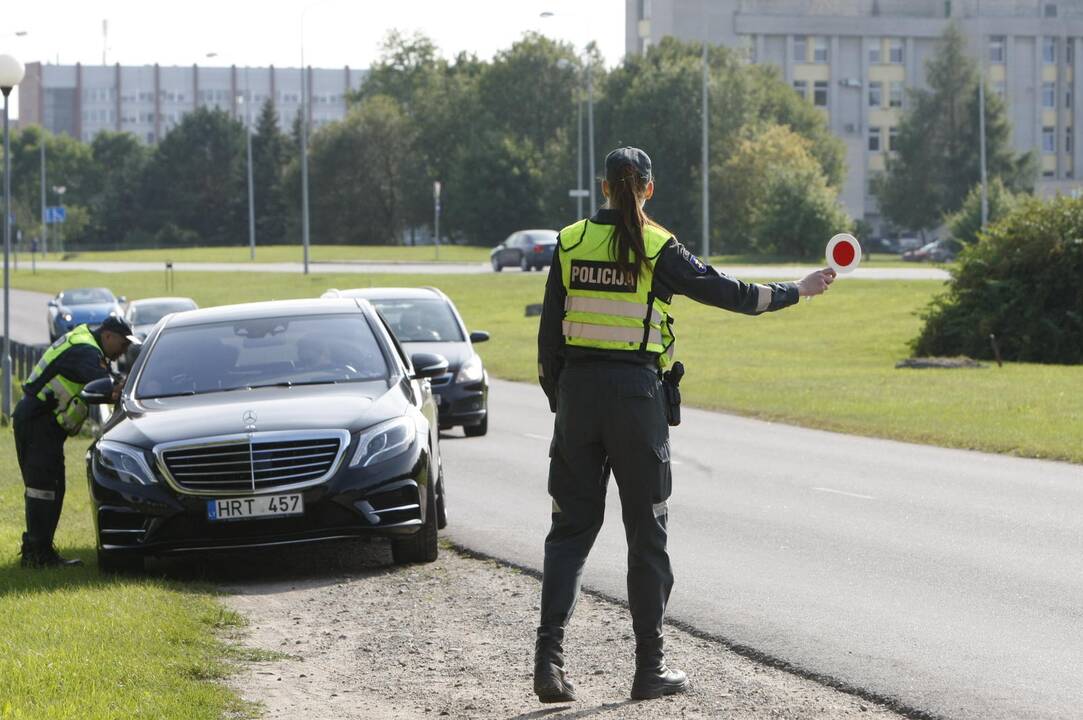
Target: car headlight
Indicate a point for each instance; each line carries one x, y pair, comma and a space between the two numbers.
67, 317
126, 462
384, 441
114, 313
471, 370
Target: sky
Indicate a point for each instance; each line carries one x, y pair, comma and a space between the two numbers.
248, 32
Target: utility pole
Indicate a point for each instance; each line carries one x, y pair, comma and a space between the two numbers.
436, 216
44, 225
590, 130
705, 242
251, 191
981, 118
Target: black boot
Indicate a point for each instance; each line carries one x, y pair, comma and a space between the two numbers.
29, 557
551, 684
653, 679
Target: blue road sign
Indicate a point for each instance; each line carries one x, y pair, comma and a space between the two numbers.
55, 214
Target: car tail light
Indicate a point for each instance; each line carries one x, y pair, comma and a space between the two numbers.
538, 249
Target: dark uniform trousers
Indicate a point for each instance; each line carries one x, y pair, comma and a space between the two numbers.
609, 415
39, 447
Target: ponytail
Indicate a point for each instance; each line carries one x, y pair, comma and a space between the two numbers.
626, 243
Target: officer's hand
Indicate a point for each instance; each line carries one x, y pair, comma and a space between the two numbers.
816, 283
118, 387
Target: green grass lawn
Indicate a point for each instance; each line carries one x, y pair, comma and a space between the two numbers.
74, 644
829, 363
286, 253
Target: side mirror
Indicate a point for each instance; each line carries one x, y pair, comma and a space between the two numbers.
98, 392
52, 303
428, 365
122, 299
479, 336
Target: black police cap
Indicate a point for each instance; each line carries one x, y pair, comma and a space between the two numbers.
616, 161
120, 327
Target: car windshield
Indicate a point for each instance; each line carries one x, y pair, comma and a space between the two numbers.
420, 320
86, 296
261, 352
543, 238
148, 313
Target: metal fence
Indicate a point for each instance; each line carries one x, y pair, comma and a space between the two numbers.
23, 359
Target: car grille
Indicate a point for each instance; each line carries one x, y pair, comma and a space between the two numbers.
251, 464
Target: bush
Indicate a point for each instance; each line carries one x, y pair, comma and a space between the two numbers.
1021, 282
965, 223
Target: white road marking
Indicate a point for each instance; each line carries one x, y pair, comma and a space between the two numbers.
843, 492
546, 438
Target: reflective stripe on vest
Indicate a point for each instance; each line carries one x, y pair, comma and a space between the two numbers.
609, 333
610, 307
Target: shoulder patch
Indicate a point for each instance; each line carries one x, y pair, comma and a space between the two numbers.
691, 259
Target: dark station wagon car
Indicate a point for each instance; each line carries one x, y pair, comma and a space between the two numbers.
426, 320
268, 424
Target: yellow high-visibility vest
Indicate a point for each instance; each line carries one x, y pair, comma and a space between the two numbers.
70, 411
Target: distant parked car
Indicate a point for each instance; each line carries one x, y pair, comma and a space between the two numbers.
938, 251
425, 320
81, 305
526, 249
144, 314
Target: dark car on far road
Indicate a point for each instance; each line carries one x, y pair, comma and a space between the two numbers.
81, 305
144, 314
268, 424
526, 250
425, 320
938, 251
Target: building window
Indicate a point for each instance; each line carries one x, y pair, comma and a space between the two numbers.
1049, 50
645, 9
1069, 52
800, 48
1068, 139
876, 94
996, 49
893, 139
1068, 98
897, 54
819, 93
819, 50
875, 51
1050, 10
1049, 95
896, 98
874, 139
1049, 140
801, 88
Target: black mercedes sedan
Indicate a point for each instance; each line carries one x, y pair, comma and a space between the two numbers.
269, 424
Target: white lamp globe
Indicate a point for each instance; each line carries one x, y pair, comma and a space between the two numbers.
11, 71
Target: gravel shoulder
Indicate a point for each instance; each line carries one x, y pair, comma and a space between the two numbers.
360, 638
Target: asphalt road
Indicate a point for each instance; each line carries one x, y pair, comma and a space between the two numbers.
28, 313
763, 271
951, 581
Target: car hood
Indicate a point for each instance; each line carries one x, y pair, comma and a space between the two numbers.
456, 353
349, 407
89, 313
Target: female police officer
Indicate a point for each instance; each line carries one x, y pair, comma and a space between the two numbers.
605, 334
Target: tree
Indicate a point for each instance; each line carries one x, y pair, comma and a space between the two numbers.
937, 159
195, 181
1020, 282
270, 153
120, 161
358, 169
965, 223
778, 200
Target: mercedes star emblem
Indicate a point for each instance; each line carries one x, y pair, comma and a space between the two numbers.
249, 419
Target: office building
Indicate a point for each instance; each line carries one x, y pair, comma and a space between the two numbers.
150, 100
855, 59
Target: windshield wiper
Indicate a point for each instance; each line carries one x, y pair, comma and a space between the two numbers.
168, 395
289, 383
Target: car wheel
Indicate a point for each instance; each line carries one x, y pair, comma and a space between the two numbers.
478, 430
497, 267
421, 547
524, 265
119, 563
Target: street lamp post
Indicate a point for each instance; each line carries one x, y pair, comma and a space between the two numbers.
11, 74
251, 190
705, 160
60, 190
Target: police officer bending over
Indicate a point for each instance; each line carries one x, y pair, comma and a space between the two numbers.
49, 412
605, 336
